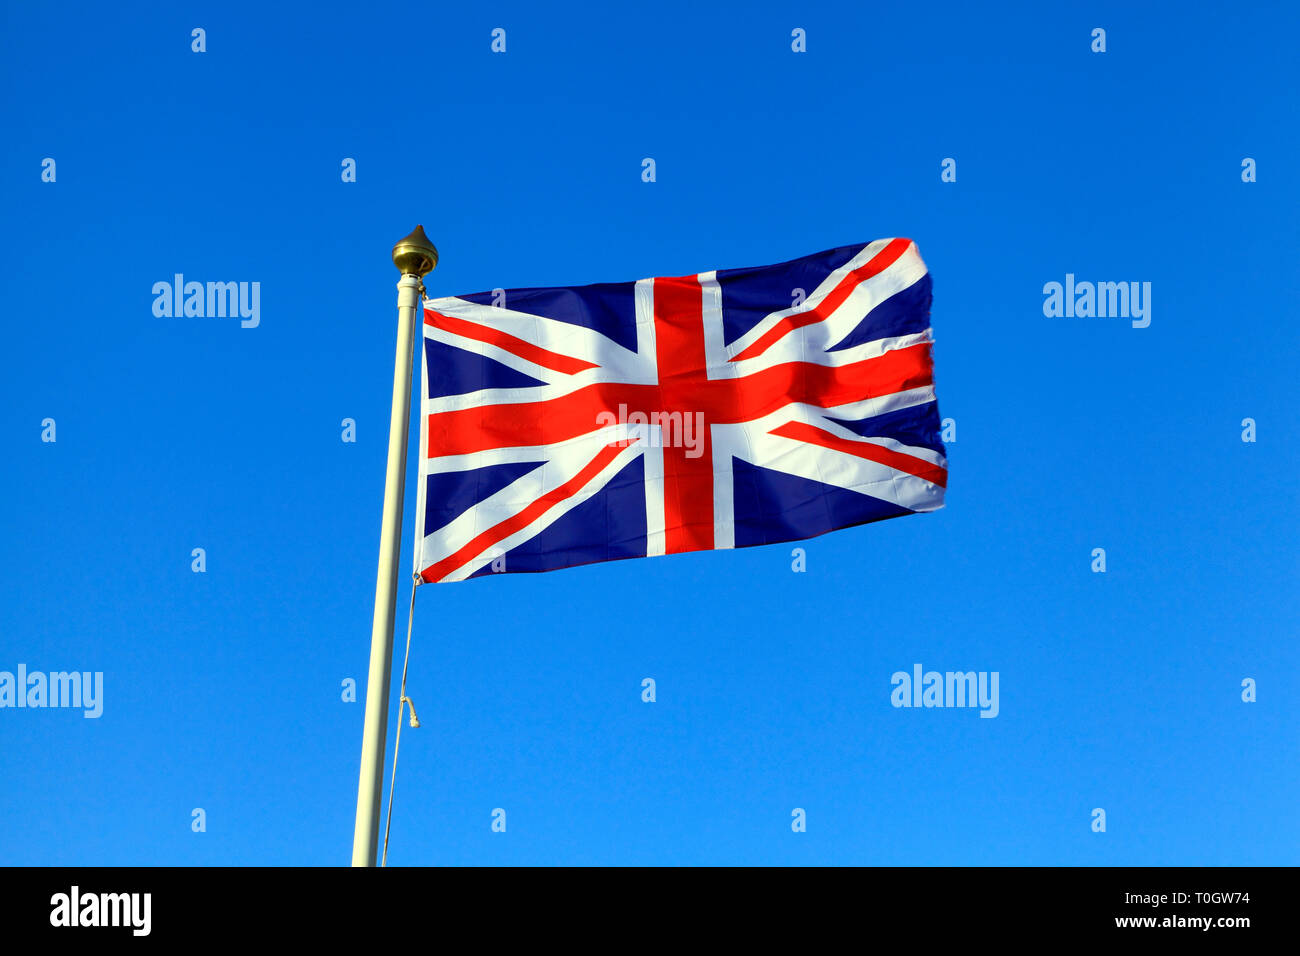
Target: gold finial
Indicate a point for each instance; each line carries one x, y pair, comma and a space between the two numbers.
415, 255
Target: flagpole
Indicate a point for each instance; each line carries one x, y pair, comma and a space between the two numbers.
415, 257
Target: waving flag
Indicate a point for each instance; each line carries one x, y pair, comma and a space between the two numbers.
564, 426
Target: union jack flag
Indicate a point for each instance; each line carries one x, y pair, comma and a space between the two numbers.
564, 426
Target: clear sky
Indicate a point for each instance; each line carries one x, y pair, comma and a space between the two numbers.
222, 690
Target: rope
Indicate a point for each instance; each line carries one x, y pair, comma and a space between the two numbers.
402, 702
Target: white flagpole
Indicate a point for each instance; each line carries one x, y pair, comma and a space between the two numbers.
415, 257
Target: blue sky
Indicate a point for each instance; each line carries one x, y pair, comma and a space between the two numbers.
222, 691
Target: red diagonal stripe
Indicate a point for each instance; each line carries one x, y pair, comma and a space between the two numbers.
802, 431
505, 529
877, 264
509, 343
